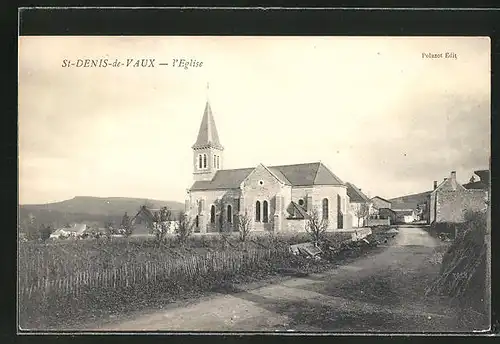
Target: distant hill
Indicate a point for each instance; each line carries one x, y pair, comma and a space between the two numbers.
86, 209
409, 201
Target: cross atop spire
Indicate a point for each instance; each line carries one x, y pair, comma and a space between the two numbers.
208, 89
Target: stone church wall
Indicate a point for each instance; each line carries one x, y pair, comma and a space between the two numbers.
262, 186
219, 198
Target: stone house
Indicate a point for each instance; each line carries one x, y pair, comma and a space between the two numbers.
146, 219
404, 215
387, 214
275, 198
359, 205
449, 200
379, 203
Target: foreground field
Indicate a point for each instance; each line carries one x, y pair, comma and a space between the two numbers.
382, 292
68, 281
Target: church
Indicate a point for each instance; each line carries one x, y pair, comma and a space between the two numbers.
274, 198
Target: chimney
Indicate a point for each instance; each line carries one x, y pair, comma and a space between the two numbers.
453, 175
435, 184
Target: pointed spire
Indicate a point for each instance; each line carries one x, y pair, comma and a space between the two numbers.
207, 135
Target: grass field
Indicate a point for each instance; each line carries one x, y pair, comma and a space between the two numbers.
70, 280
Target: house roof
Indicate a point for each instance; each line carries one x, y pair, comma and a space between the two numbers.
355, 194
383, 199
479, 185
449, 184
207, 134
484, 175
296, 175
144, 213
224, 179
483, 183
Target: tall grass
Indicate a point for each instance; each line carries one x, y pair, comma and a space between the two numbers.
71, 280
463, 270
64, 281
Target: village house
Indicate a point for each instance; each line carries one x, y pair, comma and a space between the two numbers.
145, 220
380, 213
274, 198
404, 216
380, 203
78, 229
482, 184
359, 205
449, 200
386, 214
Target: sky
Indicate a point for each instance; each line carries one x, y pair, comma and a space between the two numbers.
372, 109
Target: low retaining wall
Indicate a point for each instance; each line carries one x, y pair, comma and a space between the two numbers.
360, 234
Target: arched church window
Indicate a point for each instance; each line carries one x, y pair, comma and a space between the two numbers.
212, 214
204, 161
257, 211
200, 206
218, 162
229, 214
325, 208
301, 202
215, 161
200, 162
265, 212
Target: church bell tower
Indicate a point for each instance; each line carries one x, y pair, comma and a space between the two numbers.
207, 150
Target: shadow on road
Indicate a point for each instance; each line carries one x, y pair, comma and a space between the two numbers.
386, 294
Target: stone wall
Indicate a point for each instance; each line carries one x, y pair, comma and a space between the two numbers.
451, 205
379, 222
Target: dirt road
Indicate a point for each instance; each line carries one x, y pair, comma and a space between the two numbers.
381, 292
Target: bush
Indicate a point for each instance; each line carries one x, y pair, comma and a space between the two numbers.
447, 228
463, 270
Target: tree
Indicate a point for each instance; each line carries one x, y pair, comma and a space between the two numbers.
32, 229
225, 232
109, 227
45, 232
184, 227
126, 225
244, 225
161, 223
148, 204
362, 211
316, 226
